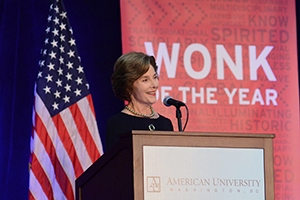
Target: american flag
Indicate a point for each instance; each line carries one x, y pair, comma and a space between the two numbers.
65, 139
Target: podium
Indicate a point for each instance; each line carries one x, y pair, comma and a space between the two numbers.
182, 165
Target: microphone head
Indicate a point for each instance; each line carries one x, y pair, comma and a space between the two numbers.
166, 100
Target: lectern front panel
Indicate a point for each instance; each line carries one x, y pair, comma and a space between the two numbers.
203, 173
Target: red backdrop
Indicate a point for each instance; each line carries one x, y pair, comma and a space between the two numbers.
234, 63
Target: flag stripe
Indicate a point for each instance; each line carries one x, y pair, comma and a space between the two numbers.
30, 196
51, 132
60, 175
90, 120
65, 137
79, 154
47, 167
47, 132
40, 174
90, 102
36, 191
84, 132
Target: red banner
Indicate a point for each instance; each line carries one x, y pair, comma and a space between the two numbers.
233, 62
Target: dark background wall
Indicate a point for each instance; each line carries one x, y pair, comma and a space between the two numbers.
96, 26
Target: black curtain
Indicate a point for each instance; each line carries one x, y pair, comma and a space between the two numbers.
96, 27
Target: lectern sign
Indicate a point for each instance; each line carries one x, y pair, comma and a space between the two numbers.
203, 173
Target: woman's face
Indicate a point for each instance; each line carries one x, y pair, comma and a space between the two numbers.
144, 89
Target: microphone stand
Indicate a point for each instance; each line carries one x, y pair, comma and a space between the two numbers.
178, 116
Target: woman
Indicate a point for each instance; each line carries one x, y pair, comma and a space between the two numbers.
135, 81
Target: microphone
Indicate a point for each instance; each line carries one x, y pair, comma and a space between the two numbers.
169, 101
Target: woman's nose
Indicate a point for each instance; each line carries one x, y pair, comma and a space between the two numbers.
155, 83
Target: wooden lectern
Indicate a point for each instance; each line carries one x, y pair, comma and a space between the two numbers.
119, 173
